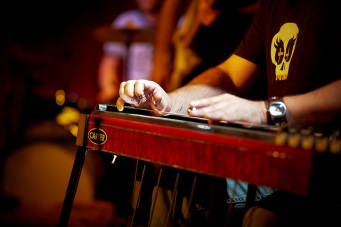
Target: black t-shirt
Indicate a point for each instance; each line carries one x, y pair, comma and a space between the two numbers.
298, 42
216, 42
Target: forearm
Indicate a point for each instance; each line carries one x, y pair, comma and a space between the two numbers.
317, 108
209, 83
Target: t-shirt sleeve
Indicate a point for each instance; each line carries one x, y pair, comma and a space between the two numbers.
252, 46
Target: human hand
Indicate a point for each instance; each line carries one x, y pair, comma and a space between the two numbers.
144, 94
230, 108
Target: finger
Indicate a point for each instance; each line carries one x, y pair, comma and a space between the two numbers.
127, 94
121, 89
206, 102
122, 92
129, 89
153, 103
139, 90
158, 99
120, 104
198, 108
158, 104
141, 94
212, 111
149, 91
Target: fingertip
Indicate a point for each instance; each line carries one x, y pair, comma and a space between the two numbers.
193, 103
191, 109
120, 104
153, 102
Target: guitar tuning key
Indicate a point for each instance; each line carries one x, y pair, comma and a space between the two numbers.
294, 138
321, 144
280, 138
335, 146
308, 140
335, 143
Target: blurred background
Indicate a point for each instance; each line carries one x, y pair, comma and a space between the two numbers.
48, 75
48, 46
58, 59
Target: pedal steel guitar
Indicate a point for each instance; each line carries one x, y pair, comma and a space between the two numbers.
260, 154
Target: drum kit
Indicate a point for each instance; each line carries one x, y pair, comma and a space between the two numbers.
127, 36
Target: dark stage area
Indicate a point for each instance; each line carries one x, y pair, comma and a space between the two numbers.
47, 48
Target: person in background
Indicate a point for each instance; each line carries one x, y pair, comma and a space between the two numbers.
123, 59
128, 59
210, 31
293, 44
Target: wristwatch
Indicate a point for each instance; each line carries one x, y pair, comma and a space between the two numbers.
276, 110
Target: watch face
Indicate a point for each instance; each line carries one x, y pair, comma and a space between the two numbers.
277, 109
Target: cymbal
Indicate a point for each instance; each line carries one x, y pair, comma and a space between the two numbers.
126, 35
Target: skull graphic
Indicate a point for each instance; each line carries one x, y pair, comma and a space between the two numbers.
282, 49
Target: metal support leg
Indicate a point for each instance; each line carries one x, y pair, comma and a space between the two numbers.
72, 186
251, 195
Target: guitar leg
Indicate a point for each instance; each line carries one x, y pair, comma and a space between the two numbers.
72, 186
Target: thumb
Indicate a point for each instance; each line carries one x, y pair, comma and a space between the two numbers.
160, 103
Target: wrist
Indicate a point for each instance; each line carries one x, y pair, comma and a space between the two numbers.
264, 110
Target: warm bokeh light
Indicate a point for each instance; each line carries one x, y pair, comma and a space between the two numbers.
82, 103
60, 97
69, 118
73, 97
74, 129
68, 115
